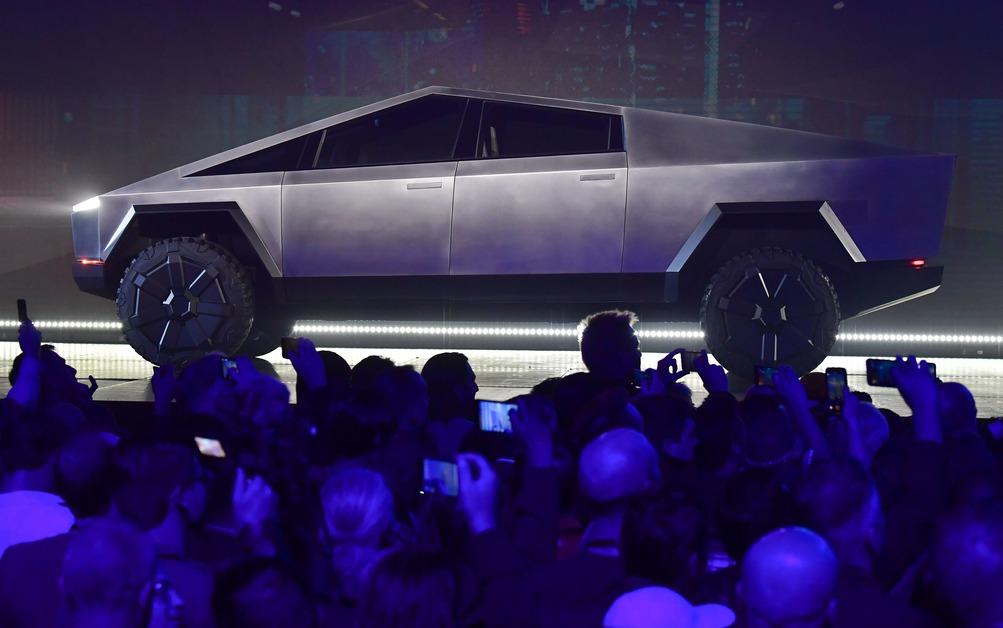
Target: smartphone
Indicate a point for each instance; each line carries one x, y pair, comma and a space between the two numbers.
879, 372
440, 477
835, 387
229, 368
763, 375
22, 310
688, 360
210, 447
289, 344
494, 416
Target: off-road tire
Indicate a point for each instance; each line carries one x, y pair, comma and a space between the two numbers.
181, 298
266, 335
769, 306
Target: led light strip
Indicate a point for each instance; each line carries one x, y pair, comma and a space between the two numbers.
954, 339
88, 325
552, 332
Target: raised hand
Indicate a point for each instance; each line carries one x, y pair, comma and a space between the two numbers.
29, 339
713, 376
478, 491
533, 422
308, 364
919, 390
790, 388
254, 504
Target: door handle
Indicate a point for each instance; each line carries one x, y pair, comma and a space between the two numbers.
424, 185
598, 176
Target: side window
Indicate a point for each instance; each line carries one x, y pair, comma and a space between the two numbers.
513, 130
284, 156
421, 130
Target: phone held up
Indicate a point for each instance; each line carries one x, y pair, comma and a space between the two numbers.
210, 447
440, 477
879, 372
495, 417
763, 374
22, 310
835, 388
289, 345
229, 366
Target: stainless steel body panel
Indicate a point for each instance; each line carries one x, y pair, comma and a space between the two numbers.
891, 207
539, 215
376, 220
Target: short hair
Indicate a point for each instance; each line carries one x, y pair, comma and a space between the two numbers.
660, 539
444, 373
15, 367
85, 474
601, 333
402, 392
410, 587
364, 373
150, 472
107, 565
261, 593
833, 494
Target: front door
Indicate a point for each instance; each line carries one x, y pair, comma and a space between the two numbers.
545, 194
377, 198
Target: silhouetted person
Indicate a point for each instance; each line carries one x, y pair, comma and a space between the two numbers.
610, 348
260, 593
966, 562
410, 588
452, 390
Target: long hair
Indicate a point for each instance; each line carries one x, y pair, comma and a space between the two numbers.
358, 513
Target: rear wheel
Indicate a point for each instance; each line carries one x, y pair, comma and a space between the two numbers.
184, 297
769, 306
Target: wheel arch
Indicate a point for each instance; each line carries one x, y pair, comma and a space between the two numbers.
729, 229
221, 222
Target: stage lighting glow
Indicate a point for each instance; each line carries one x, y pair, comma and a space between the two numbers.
918, 263
84, 261
91, 203
62, 325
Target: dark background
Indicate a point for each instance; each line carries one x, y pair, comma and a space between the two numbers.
97, 95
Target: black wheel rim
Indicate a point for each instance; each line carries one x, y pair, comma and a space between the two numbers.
180, 304
771, 315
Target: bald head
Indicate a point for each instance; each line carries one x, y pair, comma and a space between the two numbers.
618, 464
788, 576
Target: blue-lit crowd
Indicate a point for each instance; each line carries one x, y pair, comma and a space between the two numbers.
606, 497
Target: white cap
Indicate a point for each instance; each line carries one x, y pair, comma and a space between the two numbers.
659, 607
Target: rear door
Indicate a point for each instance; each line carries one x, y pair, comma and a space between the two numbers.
376, 196
543, 193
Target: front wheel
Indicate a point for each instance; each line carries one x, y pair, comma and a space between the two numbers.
184, 297
769, 306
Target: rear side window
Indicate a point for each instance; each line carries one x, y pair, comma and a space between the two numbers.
422, 130
513, 130
284, 156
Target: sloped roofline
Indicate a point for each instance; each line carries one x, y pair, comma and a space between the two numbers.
345, 116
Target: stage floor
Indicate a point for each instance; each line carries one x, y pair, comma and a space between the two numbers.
123, 376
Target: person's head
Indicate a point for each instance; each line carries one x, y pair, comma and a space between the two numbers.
659, 607
58, 379
364, 373
452, 386
665, 542
338, 374
608, 411
402, 391
669, 425
966, 560
618, 465
410, 587
720, 434
85, 474
153, 475
788, 579
260, 593
107, 575
769, 437
956, 410
358, 513
609, 345
838, 499
874, 430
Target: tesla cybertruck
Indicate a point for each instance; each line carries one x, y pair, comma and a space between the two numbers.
455, 197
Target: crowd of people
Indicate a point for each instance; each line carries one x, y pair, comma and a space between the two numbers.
614, 500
